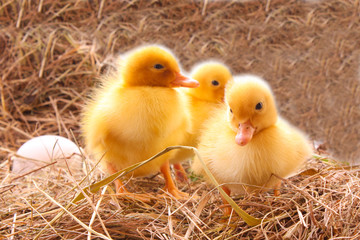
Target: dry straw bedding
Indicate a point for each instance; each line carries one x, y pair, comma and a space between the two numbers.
52, 52
321, 203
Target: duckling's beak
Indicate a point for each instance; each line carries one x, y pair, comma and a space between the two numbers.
182, 81
245, 133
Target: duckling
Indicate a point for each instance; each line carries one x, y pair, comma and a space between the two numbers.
246, 141
212, 76
137, 114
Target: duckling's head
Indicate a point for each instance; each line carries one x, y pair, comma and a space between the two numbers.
251, 107
153, 66
212, 76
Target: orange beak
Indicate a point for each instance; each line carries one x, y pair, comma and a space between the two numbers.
182, 81
245, 133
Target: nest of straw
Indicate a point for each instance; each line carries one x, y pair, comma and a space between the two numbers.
52, 53
319, 203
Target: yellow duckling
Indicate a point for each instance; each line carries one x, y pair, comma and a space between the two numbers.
245, 142
212, 76
138, 113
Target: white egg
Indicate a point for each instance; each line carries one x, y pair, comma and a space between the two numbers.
42, 150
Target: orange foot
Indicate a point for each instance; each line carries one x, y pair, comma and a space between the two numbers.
176, 193
277, 189
227, 209
169, 183
180, 173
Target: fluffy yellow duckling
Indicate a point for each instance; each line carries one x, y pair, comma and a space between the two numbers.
212, 76
245, 142
138, 113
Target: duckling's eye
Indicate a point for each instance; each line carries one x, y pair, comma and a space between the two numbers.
259, 106
230, 110
158, 66
215, 82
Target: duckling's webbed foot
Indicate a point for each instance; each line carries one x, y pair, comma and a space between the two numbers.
227, 210
277, 189
169, 183
180, 173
